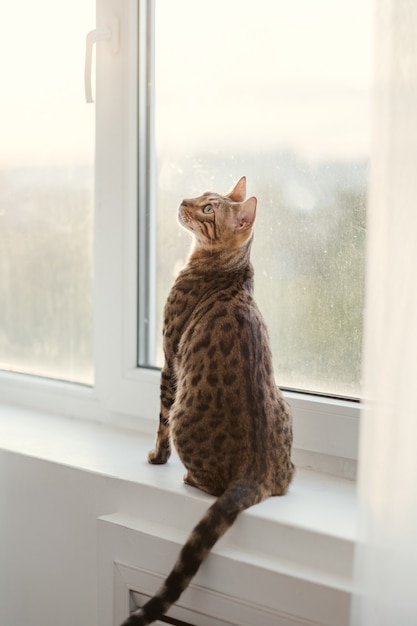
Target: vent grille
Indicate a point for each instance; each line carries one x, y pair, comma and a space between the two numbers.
174, 622
134, 597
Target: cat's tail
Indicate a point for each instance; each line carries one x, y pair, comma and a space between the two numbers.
217, 519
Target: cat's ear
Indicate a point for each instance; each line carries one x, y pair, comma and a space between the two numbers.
238, 193
245, 214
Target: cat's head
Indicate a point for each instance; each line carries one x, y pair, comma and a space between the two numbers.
219, 222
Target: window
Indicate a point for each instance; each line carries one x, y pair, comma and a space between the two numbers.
46, 193
285, 104
275, 91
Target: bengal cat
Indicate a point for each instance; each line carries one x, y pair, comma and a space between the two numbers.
220, 405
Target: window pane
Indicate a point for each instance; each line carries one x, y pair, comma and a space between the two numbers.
276, 91
46, 191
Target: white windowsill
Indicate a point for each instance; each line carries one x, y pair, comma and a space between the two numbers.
307, 535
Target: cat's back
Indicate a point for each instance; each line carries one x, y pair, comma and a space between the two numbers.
227, 401
224, 321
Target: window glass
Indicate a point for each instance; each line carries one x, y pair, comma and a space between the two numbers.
46, 191
277, 91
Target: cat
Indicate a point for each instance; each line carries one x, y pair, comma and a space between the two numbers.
220, 405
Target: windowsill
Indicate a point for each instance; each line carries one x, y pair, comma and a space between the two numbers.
324, 503
308, 534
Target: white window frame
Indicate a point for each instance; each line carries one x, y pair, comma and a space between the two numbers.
326, 430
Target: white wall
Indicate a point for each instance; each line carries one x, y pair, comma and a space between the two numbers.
48, 540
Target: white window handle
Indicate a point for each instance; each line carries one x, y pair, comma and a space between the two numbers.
108, 33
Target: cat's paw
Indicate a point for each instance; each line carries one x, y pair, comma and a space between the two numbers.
158, 456
189, 480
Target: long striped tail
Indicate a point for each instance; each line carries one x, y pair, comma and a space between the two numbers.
217, 519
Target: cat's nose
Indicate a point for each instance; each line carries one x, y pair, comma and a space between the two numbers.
185, 203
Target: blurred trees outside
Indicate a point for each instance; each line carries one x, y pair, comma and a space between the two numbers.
46, 273
308, 254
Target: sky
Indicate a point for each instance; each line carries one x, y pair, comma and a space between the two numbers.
269, 73
230, 74
44, 119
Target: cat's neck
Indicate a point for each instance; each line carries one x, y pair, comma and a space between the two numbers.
203, 260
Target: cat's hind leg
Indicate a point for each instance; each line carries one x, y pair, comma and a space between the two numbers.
206, 485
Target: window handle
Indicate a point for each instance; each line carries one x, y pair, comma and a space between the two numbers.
108, 33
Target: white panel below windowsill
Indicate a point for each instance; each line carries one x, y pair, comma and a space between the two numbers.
299, 547
309, 583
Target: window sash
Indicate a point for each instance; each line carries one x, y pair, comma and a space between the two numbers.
146, 187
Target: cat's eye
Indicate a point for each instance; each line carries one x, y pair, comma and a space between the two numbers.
208, 209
